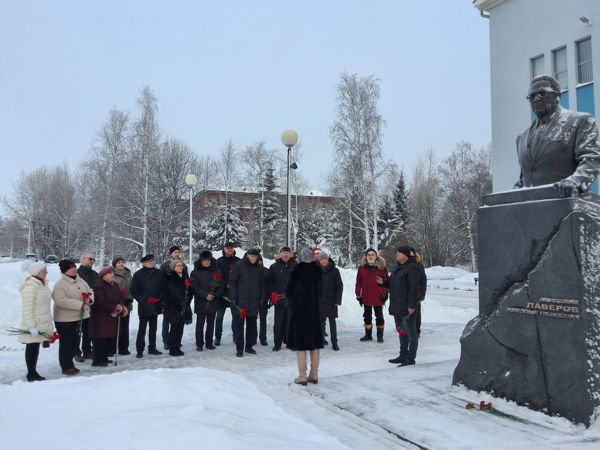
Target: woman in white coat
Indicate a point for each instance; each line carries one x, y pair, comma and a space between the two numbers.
35, 316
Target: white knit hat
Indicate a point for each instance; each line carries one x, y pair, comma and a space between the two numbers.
34, 267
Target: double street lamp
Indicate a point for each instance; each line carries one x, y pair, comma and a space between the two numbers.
191, 181
289, 138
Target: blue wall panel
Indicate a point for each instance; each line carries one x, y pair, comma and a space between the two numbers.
585, 99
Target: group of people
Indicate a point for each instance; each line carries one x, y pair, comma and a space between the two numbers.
91, 309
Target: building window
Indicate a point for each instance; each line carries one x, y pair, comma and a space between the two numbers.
537, 66
559, 61
247, 204
584, 61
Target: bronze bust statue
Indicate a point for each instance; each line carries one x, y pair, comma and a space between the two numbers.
561, 147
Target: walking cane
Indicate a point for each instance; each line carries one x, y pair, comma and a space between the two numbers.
117, 340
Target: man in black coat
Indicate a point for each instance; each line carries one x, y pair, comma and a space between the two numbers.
208, 284
146, 287
263, 310
404, 289
225, 264
331, 296
277, 280
247, 289
90, 276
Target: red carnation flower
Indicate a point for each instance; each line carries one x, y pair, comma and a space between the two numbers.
86, 295
470, 406
152, 300
54, 337
243, 313
484, 405
122, 291
187, 282
217, 276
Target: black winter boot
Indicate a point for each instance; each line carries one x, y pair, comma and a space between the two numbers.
368, 334
379, 335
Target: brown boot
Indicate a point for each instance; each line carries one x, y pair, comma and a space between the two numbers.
368, 333
313, 377
301, 358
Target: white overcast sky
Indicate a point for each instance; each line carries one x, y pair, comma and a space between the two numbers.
244, 70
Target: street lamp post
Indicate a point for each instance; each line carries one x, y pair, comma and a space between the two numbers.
289, 138
191, 181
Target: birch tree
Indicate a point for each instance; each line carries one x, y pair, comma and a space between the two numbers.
134, 213
356, 134
257, 158
466, 177
426, 208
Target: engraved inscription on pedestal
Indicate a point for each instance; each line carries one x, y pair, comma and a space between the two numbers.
550, 307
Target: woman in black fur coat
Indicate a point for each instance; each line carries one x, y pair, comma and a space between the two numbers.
304, 331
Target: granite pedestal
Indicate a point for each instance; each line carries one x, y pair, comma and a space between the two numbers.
536, 339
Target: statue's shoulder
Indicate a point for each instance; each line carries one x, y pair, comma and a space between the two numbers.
575, 116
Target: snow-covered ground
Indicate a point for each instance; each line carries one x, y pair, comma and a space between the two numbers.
214, 399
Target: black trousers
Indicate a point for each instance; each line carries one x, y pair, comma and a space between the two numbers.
32, 352
67, 344
418, 318
332, 328
176, 334
207, 337
238, 332
102, 347
368, 315
165, 330
84, 342
140, 342
263, 312
124, 335
219, 321
279, 324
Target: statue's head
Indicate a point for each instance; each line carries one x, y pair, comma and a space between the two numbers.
544, 95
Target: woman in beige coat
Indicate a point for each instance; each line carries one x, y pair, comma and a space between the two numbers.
72, 298
35, 316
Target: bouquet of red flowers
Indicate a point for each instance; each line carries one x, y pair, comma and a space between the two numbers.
216, 282
52, 338
243, 311
187, 283
86, 299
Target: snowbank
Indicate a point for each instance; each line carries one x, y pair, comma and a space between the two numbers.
451, 278
152, 409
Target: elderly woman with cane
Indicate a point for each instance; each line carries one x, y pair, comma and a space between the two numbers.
106, 310
304, 332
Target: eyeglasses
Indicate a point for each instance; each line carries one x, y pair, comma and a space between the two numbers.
541, 94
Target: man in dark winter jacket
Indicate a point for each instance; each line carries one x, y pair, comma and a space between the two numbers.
146, 287
277, 280
208, 284
175, 255
263, 310
225, 264
90, 276
331, 296
247, 289
422, 287
404, 288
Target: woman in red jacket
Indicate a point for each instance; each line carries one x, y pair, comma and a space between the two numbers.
369, 294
